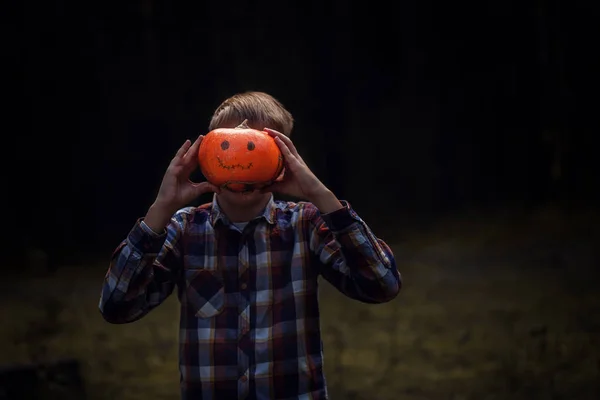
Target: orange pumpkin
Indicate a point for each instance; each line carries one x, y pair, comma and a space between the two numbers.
239, 159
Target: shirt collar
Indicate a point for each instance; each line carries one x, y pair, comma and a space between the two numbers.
268, 213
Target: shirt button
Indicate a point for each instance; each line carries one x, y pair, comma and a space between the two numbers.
244, 286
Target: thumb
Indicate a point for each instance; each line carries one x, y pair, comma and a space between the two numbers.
204, 187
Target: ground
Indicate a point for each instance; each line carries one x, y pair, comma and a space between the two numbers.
502, 307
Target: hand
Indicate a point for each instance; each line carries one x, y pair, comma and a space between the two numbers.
298, 180
176, 189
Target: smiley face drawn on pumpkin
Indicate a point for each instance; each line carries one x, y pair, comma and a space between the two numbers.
225, 146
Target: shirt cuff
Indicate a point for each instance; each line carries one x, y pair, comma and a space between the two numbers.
341, 219
145, 239
149, 230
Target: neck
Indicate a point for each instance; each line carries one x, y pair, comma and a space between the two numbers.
243, 212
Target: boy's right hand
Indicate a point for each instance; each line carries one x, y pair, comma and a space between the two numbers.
176, 189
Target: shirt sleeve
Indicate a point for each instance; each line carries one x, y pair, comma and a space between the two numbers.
351, 257
143, 271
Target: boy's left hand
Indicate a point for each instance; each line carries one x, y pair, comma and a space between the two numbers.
298, 180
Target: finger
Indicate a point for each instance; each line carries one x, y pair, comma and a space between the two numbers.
285, 150
204, 187
191, 155
275, 134
281, 175
192, 152
180, 153
289, 159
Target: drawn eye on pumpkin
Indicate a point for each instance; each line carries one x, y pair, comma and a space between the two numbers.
251, 146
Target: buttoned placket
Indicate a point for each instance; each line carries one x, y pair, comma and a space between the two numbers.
243, 314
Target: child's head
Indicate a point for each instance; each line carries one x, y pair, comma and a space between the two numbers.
262, 111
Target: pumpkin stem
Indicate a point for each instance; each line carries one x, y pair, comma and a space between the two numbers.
243, 125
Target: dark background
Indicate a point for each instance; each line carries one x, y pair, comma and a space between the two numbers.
414, 106
412, 110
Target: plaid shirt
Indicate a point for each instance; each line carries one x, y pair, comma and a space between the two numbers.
249, 323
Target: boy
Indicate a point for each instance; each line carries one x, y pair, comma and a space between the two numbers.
246, 269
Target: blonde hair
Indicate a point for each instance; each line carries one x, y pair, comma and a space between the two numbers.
259, 108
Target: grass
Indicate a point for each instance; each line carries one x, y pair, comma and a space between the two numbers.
491, 308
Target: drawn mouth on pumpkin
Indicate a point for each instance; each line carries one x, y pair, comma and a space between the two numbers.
233, 166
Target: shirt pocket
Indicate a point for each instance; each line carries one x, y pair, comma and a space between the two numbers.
205, 292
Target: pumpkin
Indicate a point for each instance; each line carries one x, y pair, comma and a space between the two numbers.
240, 159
